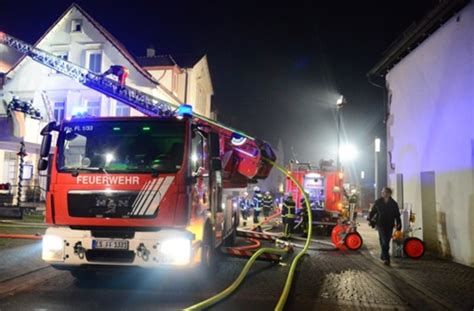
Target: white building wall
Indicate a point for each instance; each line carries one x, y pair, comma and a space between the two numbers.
31, 77
431, 128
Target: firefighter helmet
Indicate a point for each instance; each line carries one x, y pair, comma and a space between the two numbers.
256, 189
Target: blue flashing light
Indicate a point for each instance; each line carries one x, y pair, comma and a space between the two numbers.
237, 139
185, 111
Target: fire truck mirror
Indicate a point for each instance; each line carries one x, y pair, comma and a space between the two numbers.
48, 128
216, 164
45, 146
215, 147
42, 164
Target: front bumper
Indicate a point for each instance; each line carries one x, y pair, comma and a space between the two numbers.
167, 247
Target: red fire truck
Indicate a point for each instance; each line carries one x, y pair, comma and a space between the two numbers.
142, 191
324, 186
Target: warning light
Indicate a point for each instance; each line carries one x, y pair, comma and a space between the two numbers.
237, 139
341, 175
6, 186
185, 111
146, 128
116, 128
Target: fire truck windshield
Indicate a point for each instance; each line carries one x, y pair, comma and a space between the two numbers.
121, 147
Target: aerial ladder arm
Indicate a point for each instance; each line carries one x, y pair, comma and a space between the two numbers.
246, 153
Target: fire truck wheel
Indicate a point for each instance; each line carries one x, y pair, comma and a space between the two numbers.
353, 241
208, 253
414, 248
230, 240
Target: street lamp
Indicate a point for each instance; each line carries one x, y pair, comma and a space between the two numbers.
341, 101
347, 153
376, 168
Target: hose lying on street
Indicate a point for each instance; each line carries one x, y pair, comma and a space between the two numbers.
21, 236
286, 289
226, 292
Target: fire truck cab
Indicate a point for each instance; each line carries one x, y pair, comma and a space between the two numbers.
137, 191
324, 186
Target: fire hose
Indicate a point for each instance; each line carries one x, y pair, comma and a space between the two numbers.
289, 280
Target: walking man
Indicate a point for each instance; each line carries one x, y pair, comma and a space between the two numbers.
384, 215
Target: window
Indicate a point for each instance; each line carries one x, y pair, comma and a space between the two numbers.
122, 110
59, 111
76, 25
93, 108
95, 62
62, 54
132, 146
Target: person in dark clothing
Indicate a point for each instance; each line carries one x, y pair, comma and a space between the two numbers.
288, 216
383, 216
267, 202
121, 72
257, 204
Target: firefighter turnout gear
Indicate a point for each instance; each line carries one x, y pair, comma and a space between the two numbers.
288, 216
257, 202
304, 215
244, 205
267, 202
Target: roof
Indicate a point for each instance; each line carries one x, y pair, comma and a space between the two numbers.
118, 45
187, 60
415, 35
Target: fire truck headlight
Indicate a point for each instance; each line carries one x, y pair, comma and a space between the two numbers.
176, 251
53, 248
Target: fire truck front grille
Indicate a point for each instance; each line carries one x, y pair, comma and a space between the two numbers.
111, 204
96, 255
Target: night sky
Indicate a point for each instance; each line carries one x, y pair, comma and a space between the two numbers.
277, 67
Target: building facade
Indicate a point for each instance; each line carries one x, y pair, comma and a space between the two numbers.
429, 76
78, 38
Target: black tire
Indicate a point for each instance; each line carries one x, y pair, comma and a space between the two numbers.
230, 240
209, 254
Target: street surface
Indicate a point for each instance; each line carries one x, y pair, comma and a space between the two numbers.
326, 279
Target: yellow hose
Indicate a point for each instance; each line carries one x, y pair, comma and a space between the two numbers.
286, 289
291, 273
226, 292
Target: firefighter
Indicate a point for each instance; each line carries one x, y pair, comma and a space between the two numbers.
244, 204
267, 204
121, 72
256, 204
288, 216
304, 214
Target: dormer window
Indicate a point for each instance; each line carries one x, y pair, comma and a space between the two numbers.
76, 25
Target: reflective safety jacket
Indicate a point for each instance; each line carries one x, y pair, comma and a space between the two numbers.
289, 209
267, 201
257, 201
244, 204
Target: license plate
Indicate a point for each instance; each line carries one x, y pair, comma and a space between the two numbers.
110, 244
